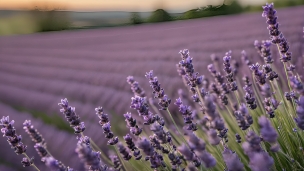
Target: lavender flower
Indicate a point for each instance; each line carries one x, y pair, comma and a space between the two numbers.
189, 155
175, 161
196, 143
252, 144
56, 165
131, 145
89, 156
245, 58
192, 78
187, 115
34, 134
267, 131
300, 113
213, 138
158, 92
131, 123
261, 162
229, 71
264, 50
271, 19
270, 74
13, 139
27, 162
136, 89
232, 161
249, 95
208, 160
123, 151
260, 77
109, 134
101, 115
156, 160
296, 84
238, 138
116, 162
71, 116
41, 150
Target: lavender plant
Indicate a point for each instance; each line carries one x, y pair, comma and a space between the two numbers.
262, 131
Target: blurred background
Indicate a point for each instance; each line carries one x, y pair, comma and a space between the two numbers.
84, 50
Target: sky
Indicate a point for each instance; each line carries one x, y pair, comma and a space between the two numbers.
120, 5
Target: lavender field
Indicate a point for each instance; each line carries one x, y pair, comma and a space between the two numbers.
89, 67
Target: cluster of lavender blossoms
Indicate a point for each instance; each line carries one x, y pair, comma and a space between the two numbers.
216, 126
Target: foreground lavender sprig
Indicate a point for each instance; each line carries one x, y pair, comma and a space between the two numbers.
14, 140
139, 104
131, 124
131, 145
300, 113
259, 159
232, 161
155, 159
71, 116
54, 164
158, 92
136, 89
91, 158
229, 71
187, 115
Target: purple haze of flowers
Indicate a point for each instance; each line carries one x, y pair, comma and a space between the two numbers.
267, 131
91, 158
71, 116
158, 92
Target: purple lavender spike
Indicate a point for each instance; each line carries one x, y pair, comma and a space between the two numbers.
232, 161
267, 131
71, 116
91, 158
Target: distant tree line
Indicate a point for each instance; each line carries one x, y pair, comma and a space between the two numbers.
160, 15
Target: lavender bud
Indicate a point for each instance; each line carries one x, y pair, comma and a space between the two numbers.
208, 160
85, 152
145, 145
41, 150
267, 131
136, 89
54, 164
13, 139
238, 138
34, 134
71, 116
261, 162
212, 137
27, 162
232, 161
101, 115
123, 151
